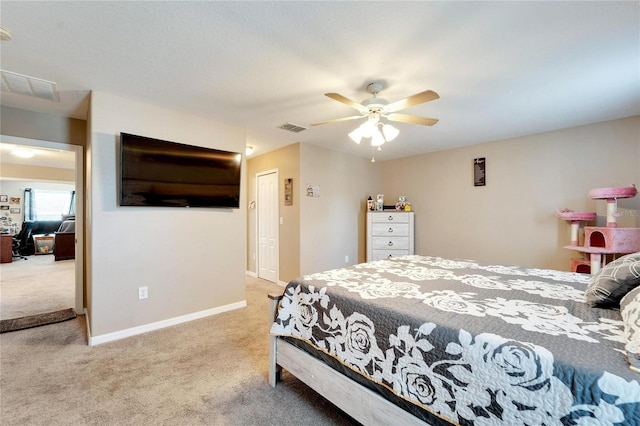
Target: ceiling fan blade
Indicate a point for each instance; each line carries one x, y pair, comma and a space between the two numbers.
412, 119
337, 120
419, 98
353, 104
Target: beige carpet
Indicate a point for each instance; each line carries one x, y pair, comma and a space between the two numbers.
36, 285
212, 371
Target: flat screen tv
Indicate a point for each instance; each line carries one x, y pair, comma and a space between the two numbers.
160, 173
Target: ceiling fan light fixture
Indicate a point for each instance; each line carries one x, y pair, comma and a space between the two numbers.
389, 132
375, 108
368, 128
377, 139
356, 135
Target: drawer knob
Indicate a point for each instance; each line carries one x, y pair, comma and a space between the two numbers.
389, 257
390, 243
390, 229
390, 217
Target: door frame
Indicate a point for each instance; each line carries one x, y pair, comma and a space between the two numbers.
79, 188
258, 201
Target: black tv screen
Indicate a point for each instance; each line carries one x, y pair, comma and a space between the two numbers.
160, 173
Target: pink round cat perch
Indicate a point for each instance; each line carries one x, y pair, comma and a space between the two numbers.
612, 195
601, 241
575, 218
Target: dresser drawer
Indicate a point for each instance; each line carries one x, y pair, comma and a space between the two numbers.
390, 243
389, 234
390, 229
390, 217
387, 254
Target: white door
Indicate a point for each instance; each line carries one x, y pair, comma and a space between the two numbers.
268, 226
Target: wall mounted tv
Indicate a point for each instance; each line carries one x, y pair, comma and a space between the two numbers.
160, 173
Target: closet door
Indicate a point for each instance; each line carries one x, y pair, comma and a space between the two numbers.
267, 205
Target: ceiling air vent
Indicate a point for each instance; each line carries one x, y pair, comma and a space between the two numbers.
292, 127
30, 86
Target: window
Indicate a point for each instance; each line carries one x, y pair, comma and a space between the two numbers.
48, 205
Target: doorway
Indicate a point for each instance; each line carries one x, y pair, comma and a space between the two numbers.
78, 153
267, 225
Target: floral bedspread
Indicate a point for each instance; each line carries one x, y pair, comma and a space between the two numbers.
471, 343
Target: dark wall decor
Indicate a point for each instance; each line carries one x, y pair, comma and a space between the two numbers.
479, 172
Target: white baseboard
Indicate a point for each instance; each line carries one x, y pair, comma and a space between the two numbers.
117, 335
282, 283
252, 274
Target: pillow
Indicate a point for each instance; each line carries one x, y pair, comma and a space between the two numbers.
612, 282
630, 310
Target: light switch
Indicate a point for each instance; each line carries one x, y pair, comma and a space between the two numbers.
281, 221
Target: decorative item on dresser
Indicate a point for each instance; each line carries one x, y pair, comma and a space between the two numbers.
389, 234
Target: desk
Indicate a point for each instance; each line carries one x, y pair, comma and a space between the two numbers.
6, 248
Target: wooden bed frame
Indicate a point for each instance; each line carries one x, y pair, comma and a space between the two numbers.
364, 405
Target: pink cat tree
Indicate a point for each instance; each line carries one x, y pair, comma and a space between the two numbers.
601, 241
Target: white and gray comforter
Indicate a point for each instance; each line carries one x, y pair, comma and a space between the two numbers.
471, 343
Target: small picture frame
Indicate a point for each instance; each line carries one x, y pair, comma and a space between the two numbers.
288, 192
479, 172
14, 210
14, 200
313, 190
4, 198
5, 207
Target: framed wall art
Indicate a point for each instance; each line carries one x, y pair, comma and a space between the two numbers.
288, 192
479, 172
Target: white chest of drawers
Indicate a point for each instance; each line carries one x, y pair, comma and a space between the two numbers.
389, 234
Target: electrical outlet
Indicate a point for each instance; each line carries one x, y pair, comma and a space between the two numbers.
143, 293
346, 259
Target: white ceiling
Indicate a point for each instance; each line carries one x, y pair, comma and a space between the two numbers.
502, 69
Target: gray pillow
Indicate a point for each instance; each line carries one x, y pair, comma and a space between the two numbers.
612, 282
630, 310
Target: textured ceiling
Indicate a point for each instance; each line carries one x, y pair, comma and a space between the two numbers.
502, 69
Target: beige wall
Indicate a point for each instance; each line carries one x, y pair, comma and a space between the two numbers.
191, 260
333, 225
511, 220
287, 161
49, 174
317, 233
40, 126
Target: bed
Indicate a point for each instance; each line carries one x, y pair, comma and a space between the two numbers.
426, 340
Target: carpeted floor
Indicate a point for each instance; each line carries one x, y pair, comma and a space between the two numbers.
212, 371
36, 285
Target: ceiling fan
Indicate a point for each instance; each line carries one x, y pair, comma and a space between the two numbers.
375, 108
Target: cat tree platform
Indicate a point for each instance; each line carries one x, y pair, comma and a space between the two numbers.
600, 242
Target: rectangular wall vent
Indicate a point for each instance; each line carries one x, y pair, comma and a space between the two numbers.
292, 127
30, 86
